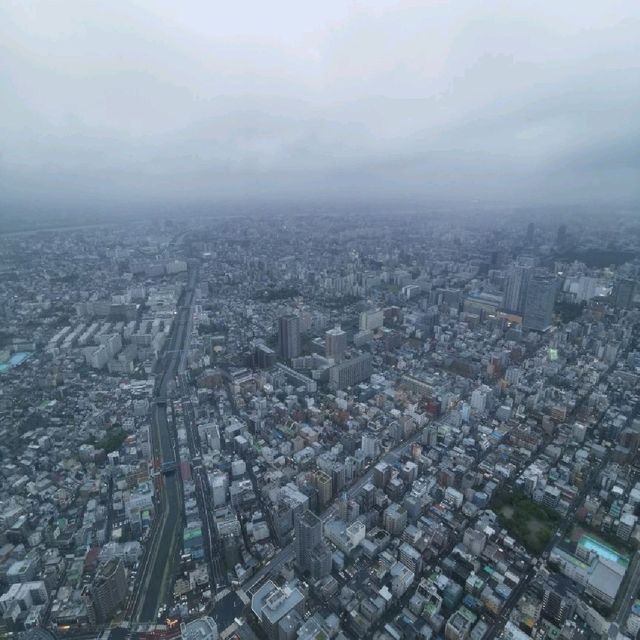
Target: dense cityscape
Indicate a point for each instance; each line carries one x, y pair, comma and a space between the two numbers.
294, 427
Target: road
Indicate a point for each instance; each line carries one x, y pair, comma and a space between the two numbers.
155, 575
204, 498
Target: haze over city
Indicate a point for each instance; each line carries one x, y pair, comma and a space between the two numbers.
112, 107
319, 321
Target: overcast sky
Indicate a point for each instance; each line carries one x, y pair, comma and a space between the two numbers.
125, 103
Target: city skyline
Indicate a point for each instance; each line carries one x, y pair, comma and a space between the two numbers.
320, 321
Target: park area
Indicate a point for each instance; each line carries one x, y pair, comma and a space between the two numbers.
530, 523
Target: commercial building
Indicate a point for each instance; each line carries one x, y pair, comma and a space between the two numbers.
308, 529
346, 538
324, 485
515, 292
107, 591
270, 604
335, 341
350, 372
623, 292
371, 320
289, 337
395, 519
200, 629
539, 303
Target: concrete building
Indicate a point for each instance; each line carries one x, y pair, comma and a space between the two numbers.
335, 341
539, 303
623, 292
107, 591
371, 320
381, 474
346, 538
324, 485
516, 289
459, 624
270, 604
395, 519
289, 337
350, 372
200, 629
308, 529
369, 444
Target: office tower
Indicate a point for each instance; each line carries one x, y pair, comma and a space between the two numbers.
338, 477
367, 496
350, 372
324, 486
320, 561
481, 398
381, 474
516, 288
308, 529
229, 533
394, 518
343, 506
335, 343
369, 445
264, 357
430, 435
289, 337
541, 295
107, 591
623, 292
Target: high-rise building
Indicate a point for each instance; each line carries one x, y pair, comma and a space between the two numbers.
623, 292
308, 529
229, 533
350, 372
481, 398
320, 561
381, 475
324, 486
557, 603
367, 496
107, 591
289, 337
335, 343
394, 518
369, 444
338, 477
263, 356
515, 291
539, 303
